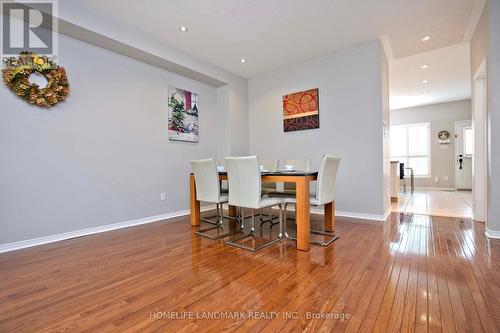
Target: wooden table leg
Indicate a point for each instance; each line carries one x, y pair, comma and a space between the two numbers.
232, 211
330, 217
303, 214
194, 204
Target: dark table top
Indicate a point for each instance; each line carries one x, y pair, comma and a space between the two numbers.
282, 173
279, 173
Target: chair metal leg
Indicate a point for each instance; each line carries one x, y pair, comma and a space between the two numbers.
234, 242
209, 219
316, 232
269, 219
285, 221
218, 226
253, 222
324, 233
281, 221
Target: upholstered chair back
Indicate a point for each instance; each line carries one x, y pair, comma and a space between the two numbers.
207, 180
244, 181
327, 174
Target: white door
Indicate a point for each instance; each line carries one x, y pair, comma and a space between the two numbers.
464, 147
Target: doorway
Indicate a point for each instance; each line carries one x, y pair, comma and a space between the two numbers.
464, 141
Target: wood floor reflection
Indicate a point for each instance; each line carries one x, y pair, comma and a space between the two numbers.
412, 273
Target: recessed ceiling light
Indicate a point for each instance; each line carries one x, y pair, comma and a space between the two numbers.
243, 61
424, 66
425, 39
425, 81
183, 28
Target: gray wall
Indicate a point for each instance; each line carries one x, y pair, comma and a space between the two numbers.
351, 121
232, 99
102, 156
442, 117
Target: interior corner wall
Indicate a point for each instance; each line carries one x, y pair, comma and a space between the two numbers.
351, 121
232, 104
224, 144
238, 119
386, 122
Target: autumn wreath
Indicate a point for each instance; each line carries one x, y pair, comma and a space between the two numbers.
16, 77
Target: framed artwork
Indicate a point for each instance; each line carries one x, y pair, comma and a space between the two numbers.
182, 115
301, 111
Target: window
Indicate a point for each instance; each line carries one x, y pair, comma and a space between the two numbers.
410, 144
468, 142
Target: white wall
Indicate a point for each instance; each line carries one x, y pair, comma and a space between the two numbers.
103, 155
386, 119
442, 116
351, 121
479, 45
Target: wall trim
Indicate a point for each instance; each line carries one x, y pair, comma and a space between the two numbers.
362, 216
156, 218
494, 234
430, 188
94, 230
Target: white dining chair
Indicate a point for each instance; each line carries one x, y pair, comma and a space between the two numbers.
245, 189
223, 183
325, 193
271, 166
208, 190
288, 189
299, 165
267, 188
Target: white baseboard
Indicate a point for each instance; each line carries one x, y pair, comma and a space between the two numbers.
495, 234
388, 212
372, 217
434, 188
89, 231
362, 216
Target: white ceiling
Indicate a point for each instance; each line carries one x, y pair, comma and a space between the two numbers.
448, 75
274, 33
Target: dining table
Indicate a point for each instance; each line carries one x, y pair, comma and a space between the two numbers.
302, 208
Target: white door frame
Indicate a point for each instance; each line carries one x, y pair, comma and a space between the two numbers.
479, 158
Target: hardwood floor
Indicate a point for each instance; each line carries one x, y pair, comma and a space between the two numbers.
412, 273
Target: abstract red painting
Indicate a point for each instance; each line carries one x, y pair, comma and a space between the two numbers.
301, 111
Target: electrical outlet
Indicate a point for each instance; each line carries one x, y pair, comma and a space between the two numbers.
445, 177
436, 179
163, 196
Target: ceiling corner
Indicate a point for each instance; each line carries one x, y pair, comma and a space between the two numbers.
386, 43
473, 20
